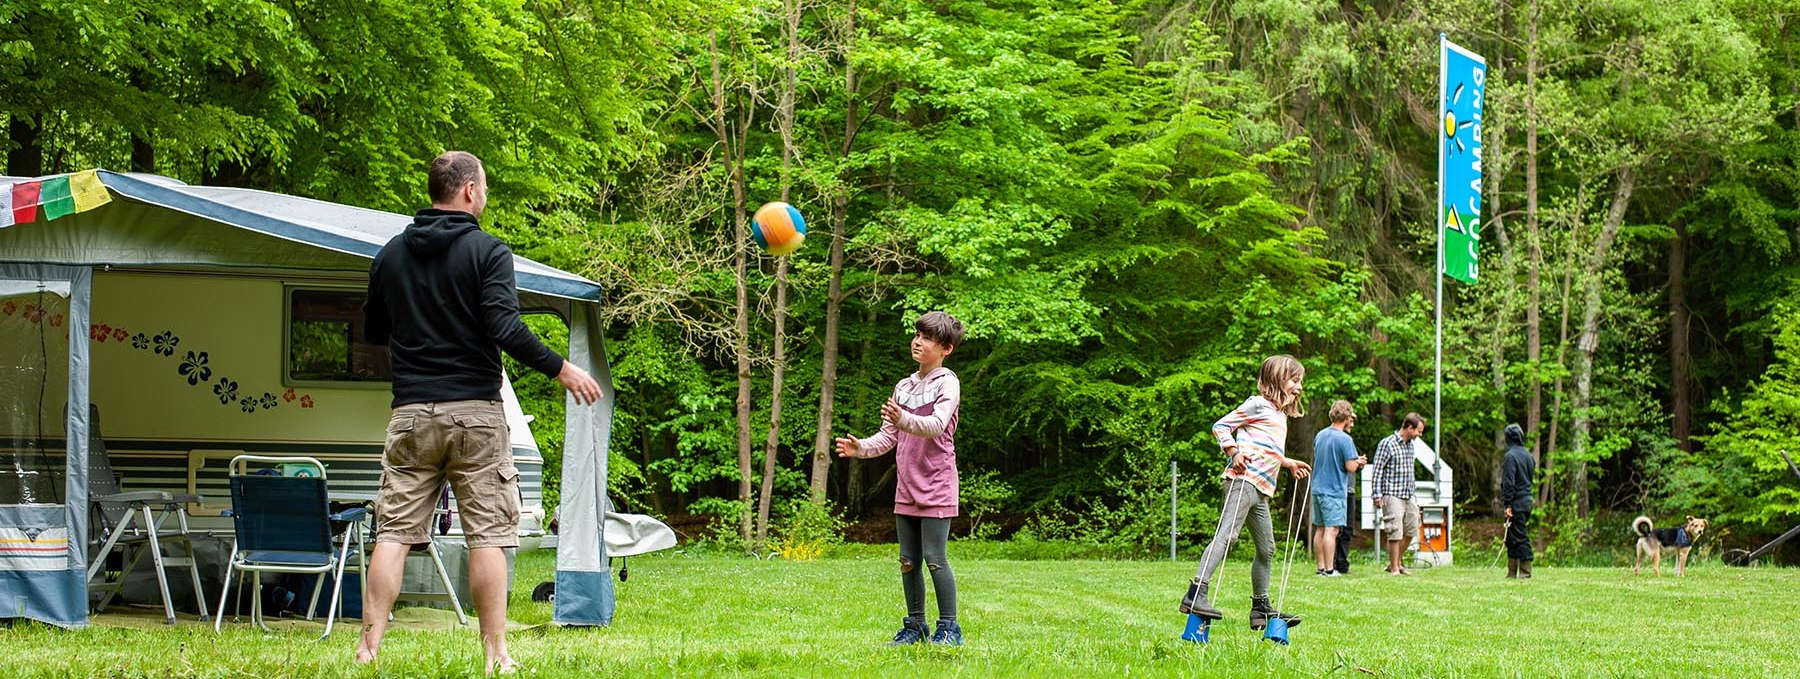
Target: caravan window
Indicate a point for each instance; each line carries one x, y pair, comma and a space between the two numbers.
325, 339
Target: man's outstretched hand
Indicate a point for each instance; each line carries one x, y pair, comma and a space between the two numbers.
579, 383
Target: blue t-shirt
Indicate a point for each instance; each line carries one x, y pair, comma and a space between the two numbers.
1331, 449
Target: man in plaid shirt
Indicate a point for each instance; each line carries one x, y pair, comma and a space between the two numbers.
1391, 476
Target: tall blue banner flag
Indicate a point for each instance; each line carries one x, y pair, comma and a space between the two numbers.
1462, 81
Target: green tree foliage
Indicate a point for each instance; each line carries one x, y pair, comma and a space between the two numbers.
1129, 202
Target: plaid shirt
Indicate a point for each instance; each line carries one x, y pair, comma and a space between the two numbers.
1392, 469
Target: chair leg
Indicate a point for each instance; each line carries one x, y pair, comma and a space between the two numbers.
225, 589
193, 559
313, 603
112, 539
449, 588
337, 586
128, 559
156, 558
256, 607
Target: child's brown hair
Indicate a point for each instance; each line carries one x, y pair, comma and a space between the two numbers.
940, 327
1272, 380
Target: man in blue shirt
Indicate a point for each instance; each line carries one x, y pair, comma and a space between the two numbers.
1334, 459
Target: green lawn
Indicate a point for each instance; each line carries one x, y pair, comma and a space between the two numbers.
699, 616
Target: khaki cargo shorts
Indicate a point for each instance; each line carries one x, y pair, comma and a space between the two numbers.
1399, 515
464, 442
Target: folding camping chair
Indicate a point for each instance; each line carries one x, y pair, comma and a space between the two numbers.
283, 525
133, 522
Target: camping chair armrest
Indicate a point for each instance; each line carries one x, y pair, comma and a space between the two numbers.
351, 514
145, 496
186, 499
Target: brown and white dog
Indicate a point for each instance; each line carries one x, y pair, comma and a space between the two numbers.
1653, 541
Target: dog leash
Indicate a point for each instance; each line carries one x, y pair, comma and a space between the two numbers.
1504, 531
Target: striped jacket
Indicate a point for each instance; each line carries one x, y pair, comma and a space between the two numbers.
1259, 430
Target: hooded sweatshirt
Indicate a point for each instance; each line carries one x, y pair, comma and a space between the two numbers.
1516, 470
443, 298
924, 440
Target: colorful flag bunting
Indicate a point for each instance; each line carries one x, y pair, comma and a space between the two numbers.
25, 202
51, 197
87, 190
54, 198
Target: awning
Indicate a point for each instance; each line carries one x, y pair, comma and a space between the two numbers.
353, 231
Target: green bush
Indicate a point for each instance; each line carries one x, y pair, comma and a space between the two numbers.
802, 522
722, 528
982, 493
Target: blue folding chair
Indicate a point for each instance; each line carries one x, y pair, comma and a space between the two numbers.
283, 525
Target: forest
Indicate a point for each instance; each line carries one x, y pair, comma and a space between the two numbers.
1128, 203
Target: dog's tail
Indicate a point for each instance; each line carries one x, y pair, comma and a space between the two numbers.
1642, 525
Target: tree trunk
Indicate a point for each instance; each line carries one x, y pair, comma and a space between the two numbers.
1503, 316
1548, 487
143, 155
731, 141
785, 119
1534, 345
834, 294
853, 487
26, 158
1680, 356
772, 449
1590, 334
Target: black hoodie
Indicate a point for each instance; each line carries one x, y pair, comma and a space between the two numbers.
1516, 470
443, 298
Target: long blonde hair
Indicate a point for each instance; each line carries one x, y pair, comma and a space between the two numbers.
1276, 371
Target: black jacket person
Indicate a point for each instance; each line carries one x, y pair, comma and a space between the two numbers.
1515, 493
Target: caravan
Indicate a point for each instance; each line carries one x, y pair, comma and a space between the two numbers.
192, 369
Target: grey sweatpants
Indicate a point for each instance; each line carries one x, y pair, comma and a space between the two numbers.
1242, 500
923, 541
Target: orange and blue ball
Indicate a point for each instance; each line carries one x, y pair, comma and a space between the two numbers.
778, 228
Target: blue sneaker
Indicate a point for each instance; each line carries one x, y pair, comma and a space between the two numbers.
948, 634
911, 632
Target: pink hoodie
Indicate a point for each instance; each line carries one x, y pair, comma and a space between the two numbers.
926, 483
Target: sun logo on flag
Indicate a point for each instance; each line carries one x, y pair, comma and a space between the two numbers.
1452, 125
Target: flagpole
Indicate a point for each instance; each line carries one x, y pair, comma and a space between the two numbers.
1437, 398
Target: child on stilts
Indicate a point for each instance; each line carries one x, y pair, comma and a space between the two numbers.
1253, 438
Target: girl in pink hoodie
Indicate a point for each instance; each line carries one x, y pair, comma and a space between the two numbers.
919, 424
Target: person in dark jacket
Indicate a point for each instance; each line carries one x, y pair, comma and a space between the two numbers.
1515, 493
442, 296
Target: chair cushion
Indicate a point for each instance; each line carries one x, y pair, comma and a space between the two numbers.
279, 558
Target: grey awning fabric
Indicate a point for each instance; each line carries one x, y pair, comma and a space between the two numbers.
151, 228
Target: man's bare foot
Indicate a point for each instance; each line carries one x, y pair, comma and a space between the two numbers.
503, 665
366, 647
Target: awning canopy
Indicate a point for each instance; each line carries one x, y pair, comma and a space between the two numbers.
142, 231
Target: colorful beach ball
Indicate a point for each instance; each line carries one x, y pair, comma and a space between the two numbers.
778, 228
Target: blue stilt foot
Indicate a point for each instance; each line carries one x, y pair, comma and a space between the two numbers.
1277, 631
1198, 629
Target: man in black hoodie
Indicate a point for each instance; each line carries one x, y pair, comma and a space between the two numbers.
442, 297
1516, 470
